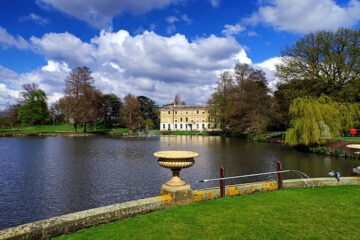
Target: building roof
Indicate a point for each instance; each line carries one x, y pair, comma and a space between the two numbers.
177, 107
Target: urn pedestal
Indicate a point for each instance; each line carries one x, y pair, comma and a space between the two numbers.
179, 190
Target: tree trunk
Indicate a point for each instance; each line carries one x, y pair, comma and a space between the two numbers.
95, 125
75, 127
85, 127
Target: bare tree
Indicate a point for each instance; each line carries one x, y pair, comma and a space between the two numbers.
78, 96
131, 112
27, 90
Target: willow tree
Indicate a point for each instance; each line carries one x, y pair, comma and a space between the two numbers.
319, 120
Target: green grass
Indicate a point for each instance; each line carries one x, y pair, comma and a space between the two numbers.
349, 139
61, 128
319, 213
40, 129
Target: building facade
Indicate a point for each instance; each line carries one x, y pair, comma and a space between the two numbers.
186, 118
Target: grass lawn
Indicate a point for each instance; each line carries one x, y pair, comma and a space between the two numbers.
349, 139
40, 129
319, 213
61, 128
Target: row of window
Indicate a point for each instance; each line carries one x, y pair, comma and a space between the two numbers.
186, 119
185, 112
189, 126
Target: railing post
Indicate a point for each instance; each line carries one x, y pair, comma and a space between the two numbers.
222, 182
279, 175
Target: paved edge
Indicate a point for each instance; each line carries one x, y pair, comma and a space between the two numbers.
45, 229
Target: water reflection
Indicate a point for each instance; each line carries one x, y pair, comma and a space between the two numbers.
44, 177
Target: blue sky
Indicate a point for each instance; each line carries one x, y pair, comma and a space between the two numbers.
156, 48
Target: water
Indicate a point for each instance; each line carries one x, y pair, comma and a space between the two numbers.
42, 177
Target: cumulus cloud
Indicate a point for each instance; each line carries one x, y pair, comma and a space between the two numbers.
144, 64
35, 18
100, 13
63, 47
268, 66
307, 15
8, 40
231, 30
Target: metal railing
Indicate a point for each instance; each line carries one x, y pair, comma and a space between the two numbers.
279, 173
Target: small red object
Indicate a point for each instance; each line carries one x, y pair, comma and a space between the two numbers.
353, 131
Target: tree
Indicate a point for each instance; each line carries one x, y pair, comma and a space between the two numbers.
149, 110
27, 90
111, 109
242, 102
34, 111
131, 112
251, 108
177, 100
56, 113
9, 116
319, 120
220, 102
78, 100
321, 63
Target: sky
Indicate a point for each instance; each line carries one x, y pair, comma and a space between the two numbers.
156, 48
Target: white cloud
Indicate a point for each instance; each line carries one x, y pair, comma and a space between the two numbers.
145, 64
7, 96
8, 40
99, 13
63, 47
35, 18
307, 15
215, 3
268, 66
231, 30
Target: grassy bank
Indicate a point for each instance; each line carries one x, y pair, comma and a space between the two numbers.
61, 129
319, 213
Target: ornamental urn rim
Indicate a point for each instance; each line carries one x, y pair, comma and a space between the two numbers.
176, 154
353, 146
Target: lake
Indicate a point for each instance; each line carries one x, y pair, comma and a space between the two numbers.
42, 177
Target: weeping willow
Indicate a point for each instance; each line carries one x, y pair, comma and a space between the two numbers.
319, 120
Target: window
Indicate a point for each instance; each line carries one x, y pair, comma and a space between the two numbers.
175, 119
163, 126
203, 126
169, 126
186, 112
197, 126
209, 125
175, 112
215, 125
180, 126
203, 112
169, 112
175, 126
197, 112
187, 119
181, 119
203, 119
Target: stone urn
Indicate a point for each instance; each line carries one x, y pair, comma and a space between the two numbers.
176, 160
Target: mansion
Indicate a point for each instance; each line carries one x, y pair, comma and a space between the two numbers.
186, 118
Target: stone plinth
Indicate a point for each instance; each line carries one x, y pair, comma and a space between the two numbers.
176, 160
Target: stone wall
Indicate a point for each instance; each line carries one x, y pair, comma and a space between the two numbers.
68, 223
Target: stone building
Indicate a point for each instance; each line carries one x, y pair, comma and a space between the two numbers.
186, 118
